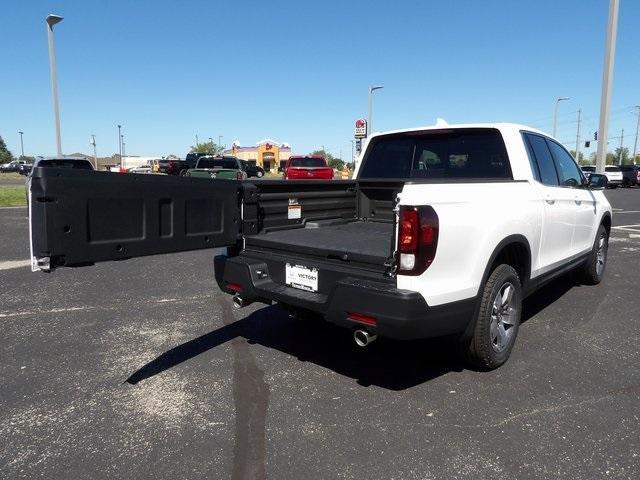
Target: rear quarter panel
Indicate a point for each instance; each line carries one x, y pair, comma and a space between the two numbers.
473, 219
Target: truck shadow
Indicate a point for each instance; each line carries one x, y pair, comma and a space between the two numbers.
394, 365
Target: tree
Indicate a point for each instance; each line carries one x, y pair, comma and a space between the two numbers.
626, 158
209, 148
5, 155
332, 161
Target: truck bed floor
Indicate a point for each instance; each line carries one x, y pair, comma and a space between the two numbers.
367, 242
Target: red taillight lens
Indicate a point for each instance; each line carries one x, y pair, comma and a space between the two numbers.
417, 239
234, 286
408, 230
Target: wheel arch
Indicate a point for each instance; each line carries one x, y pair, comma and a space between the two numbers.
513, 250
606, 221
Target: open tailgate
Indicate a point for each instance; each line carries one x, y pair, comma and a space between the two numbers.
79, 217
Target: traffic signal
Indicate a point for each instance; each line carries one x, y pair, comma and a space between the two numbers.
587, 144
595, 135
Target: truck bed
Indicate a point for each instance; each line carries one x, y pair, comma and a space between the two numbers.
358, 241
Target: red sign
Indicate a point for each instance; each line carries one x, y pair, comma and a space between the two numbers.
268, 146
361, 128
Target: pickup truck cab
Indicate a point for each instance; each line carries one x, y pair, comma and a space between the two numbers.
443, 231
218, 167
309, 167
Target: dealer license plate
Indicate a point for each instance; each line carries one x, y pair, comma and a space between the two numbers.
301, 277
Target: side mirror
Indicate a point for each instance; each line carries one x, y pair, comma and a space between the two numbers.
597, 181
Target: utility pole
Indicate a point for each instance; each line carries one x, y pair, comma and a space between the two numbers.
607, 79
220, 140
621, 143
95, 155
578, 136
197, 140
21, 143
635, 144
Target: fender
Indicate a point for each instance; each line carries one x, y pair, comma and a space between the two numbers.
515, 238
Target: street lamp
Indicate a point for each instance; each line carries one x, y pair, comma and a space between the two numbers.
370, 116
220, 140
22, 143
635, 144
120, 144
51, 21
555, 113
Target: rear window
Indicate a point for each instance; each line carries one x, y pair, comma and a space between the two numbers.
307, 162
588, 169
216, 163
62, 163
459, 153
611, 169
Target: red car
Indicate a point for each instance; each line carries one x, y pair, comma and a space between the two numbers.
309, 167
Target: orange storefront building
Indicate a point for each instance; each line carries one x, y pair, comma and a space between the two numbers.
268, 154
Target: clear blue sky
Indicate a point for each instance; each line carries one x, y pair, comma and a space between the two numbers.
298, 71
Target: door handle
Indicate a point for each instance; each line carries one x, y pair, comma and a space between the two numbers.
550, 201
578, 202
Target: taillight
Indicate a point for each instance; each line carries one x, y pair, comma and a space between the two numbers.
417, 239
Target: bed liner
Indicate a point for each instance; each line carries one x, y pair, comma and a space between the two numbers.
359, 241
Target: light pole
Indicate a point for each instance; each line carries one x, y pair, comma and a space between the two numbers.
120, 144
607, 78
220, 140
95, 155
22, 143
635, 144
51, 21
555, 113
370, 116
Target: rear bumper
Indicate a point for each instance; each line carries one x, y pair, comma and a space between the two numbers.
400, 314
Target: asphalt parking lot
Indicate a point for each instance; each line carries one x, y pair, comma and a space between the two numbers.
141, 369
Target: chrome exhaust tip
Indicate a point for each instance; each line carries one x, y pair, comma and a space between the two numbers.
239, 302
363, 338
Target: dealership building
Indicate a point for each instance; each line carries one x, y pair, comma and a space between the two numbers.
268, 154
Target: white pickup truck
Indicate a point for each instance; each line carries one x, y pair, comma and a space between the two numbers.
443, 232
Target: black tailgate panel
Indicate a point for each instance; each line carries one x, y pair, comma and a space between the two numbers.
81, 217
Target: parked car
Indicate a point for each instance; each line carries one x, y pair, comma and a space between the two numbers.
308, 167
218, 167
252, 170
441, 232
13, 166
25, 168
612, 172
177, 166
630, 175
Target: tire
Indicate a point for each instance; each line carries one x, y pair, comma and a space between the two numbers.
593, 269
182, 172
259, 174
498, 319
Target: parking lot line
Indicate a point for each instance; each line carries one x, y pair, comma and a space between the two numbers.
7, 265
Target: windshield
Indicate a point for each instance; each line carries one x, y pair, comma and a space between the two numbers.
460, 153
66, 163
307, 162
217, 163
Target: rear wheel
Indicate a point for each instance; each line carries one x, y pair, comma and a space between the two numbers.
259, 174
498, 319
593, 268
182, 172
